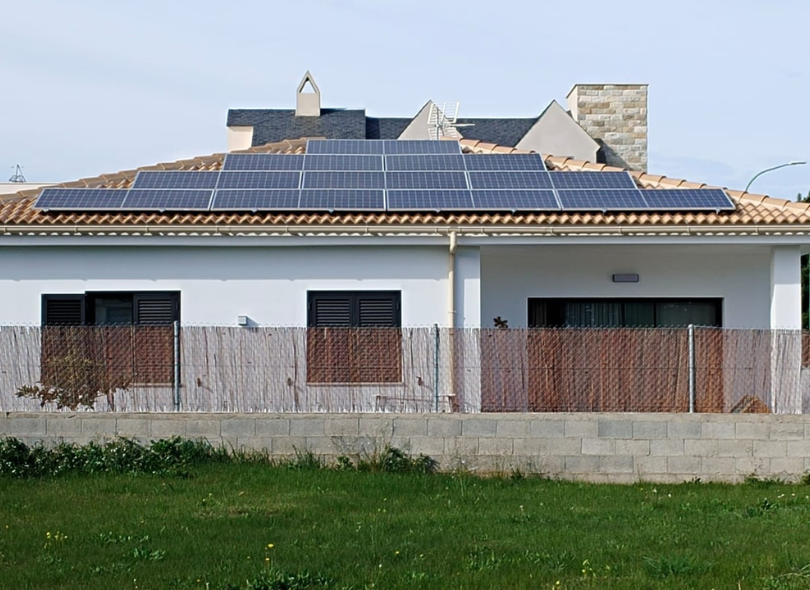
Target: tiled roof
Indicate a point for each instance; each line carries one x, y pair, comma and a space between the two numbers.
754, 212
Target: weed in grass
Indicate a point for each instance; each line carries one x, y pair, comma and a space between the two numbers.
762, 482
675, 565
481, 559
762, 508
273, 579
305, 460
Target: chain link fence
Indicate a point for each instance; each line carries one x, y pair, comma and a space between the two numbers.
224, 369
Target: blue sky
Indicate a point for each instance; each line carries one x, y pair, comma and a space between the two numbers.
97, 86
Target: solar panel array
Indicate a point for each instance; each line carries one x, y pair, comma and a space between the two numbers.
379, 175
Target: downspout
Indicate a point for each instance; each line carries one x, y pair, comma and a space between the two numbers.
451, 321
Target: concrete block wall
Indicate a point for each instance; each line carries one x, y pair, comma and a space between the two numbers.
617, 448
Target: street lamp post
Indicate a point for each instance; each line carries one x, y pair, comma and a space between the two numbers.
761, 172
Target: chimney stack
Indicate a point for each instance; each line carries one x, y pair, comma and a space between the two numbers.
615, 115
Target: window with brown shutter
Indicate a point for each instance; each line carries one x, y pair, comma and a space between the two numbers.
354, 337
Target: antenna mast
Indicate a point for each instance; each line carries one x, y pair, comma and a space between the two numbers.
443, 122
18, 175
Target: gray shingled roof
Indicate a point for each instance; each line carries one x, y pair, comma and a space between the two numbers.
271, 125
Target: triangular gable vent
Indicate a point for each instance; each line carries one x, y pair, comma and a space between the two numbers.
308, 98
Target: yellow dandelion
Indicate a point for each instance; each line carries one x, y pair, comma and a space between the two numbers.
270, 545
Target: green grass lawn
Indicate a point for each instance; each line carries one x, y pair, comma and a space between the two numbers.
227, 523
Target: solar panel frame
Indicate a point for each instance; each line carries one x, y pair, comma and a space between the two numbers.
678, 199
255, 199
601, 199
262, 162
342, 179
509, 180
515, 200
424, 162
176, 179
420, 146
343, 162
168, 200
592, 180
345, 146
504, 162
342, 200
80, 199
259, 179
426, 180
429, 200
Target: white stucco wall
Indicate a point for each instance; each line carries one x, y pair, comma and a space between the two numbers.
219, 283
740, 275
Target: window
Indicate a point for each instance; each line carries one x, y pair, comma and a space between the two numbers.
623, 313
143, 355
354, 337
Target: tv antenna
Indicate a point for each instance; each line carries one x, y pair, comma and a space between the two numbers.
443, 122
18, 175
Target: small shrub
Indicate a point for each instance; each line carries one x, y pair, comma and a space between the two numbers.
393, 460
305, 460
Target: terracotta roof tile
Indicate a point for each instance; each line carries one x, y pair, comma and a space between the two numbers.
16, 210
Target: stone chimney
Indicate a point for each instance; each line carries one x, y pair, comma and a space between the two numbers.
308, 98
615, 115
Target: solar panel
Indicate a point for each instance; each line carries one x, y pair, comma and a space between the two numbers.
255, 199
694, 199
350, 200
522, 162
439, 200
167, 199
587, 180
513, 180
426, 180
601, 199
420, 146
76, 199
343, 162
344, 146
263, 162
259, 179
344, 180
176, 179
425, 162
522, 200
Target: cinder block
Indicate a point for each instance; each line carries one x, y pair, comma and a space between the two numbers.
238, 427
529, 447
254, 443
798, 448
668, 447
495, 446
637, 448
726, 466
64, 426
621, 478
377, 426
547, 428
649, 465
751, 430
735, 448
416, 426
267, 426
678, 429
615, 429
700, 448
717, 430
427, 445
98, 426
320, 445
204, 427
307, 426
512, 428
132, 427
598, 446
584, 428
29, 426
5, 425
581, 464
648, 430
616, 464
288, 445
463, 446
770, 448
752, 465
784, 466
683, 465
161, 428
444, 427
550, 465
342, 426
479, 427
563, 446
787, 431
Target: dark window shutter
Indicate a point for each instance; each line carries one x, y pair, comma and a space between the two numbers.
330, 311
377, 311
62, 310
155, 309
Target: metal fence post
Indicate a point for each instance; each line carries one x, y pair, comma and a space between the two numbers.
436, 343
176, 380
690, 336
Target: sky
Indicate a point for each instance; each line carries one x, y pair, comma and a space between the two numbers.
90, 87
